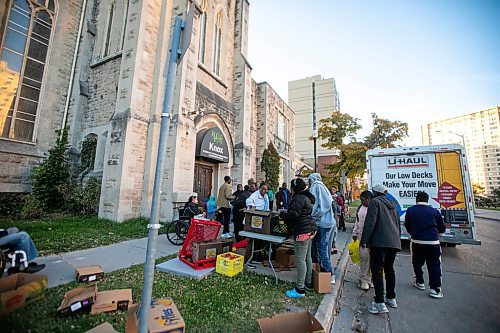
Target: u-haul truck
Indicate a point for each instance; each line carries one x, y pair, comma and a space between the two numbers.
441, 171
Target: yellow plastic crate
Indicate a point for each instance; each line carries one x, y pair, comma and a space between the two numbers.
229, 264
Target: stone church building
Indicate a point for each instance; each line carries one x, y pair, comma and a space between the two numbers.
96, 68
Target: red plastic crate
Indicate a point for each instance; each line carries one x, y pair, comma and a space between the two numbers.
199, 231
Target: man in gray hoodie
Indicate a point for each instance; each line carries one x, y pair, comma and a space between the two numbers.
322, 215
381, 234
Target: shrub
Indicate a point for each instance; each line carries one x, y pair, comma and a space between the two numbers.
50, 175
11, 204
85, 201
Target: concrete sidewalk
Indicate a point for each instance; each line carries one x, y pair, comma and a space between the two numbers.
488, 214
60, 268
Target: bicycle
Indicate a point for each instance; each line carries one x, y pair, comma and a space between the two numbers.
177, 230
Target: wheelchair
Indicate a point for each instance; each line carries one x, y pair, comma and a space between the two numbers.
177, 230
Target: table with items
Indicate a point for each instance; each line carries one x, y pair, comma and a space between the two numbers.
268, 238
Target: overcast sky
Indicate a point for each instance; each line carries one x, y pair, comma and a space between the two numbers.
417, 61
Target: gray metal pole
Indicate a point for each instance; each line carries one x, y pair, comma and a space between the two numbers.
154, 225
315, 135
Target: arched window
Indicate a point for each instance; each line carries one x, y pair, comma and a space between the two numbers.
25, 29
106, 42
203, 32
217, 42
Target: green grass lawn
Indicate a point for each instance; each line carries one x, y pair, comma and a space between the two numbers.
64, 234
214, 304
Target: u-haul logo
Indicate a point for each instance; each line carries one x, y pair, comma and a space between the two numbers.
407, 162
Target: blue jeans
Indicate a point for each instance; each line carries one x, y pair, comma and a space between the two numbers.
333, 239
20, 241
323, 248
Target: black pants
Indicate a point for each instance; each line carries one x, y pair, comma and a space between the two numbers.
430, 255
238, 217
226, 218
382, 261
271, 204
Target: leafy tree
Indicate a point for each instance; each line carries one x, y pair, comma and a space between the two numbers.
351, 160
385, 133
477, 189
53, 173
270, 165
341, 127
338, 127
496, 193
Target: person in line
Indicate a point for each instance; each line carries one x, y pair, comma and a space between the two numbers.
283, 197
191, 207
341, 204
223, 198
239, 204
298, 219
424, 224
259, 199
364, 265
336, 211
322, 215
252, 187
211, 208
17, 240
381, 234
270, 194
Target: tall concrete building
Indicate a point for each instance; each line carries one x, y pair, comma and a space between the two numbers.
302, 94
480, 132
96, 68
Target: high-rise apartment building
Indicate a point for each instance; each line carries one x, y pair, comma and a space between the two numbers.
480, 133
302, 94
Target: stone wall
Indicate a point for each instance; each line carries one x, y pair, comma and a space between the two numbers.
269, 106
103, 85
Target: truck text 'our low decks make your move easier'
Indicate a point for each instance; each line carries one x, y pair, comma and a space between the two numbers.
439, 170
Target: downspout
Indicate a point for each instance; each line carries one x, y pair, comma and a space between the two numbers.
73, 67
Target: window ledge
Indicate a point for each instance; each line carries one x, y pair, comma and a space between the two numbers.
12, 146
213, 75
106, 59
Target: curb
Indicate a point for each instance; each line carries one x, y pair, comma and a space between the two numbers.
326, 310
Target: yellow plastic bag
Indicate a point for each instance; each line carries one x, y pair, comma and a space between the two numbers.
353, 247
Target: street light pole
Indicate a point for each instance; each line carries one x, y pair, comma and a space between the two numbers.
315, 131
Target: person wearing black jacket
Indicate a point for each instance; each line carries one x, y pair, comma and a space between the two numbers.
191, 207
298, 219
424, 224
381, 234
239, 204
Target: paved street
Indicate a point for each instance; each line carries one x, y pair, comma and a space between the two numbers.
471, 285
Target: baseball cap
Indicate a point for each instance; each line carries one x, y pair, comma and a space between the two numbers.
379, 188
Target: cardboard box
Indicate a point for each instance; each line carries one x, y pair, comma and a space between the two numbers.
285, 257
295, 322
226, 245
211, 249
205, 250
20, 289
112, 300
321, 280
259, 221
78, 299
229, 264
89, 273
103, 328
163, 318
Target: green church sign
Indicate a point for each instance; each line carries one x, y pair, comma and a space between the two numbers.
211, 144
